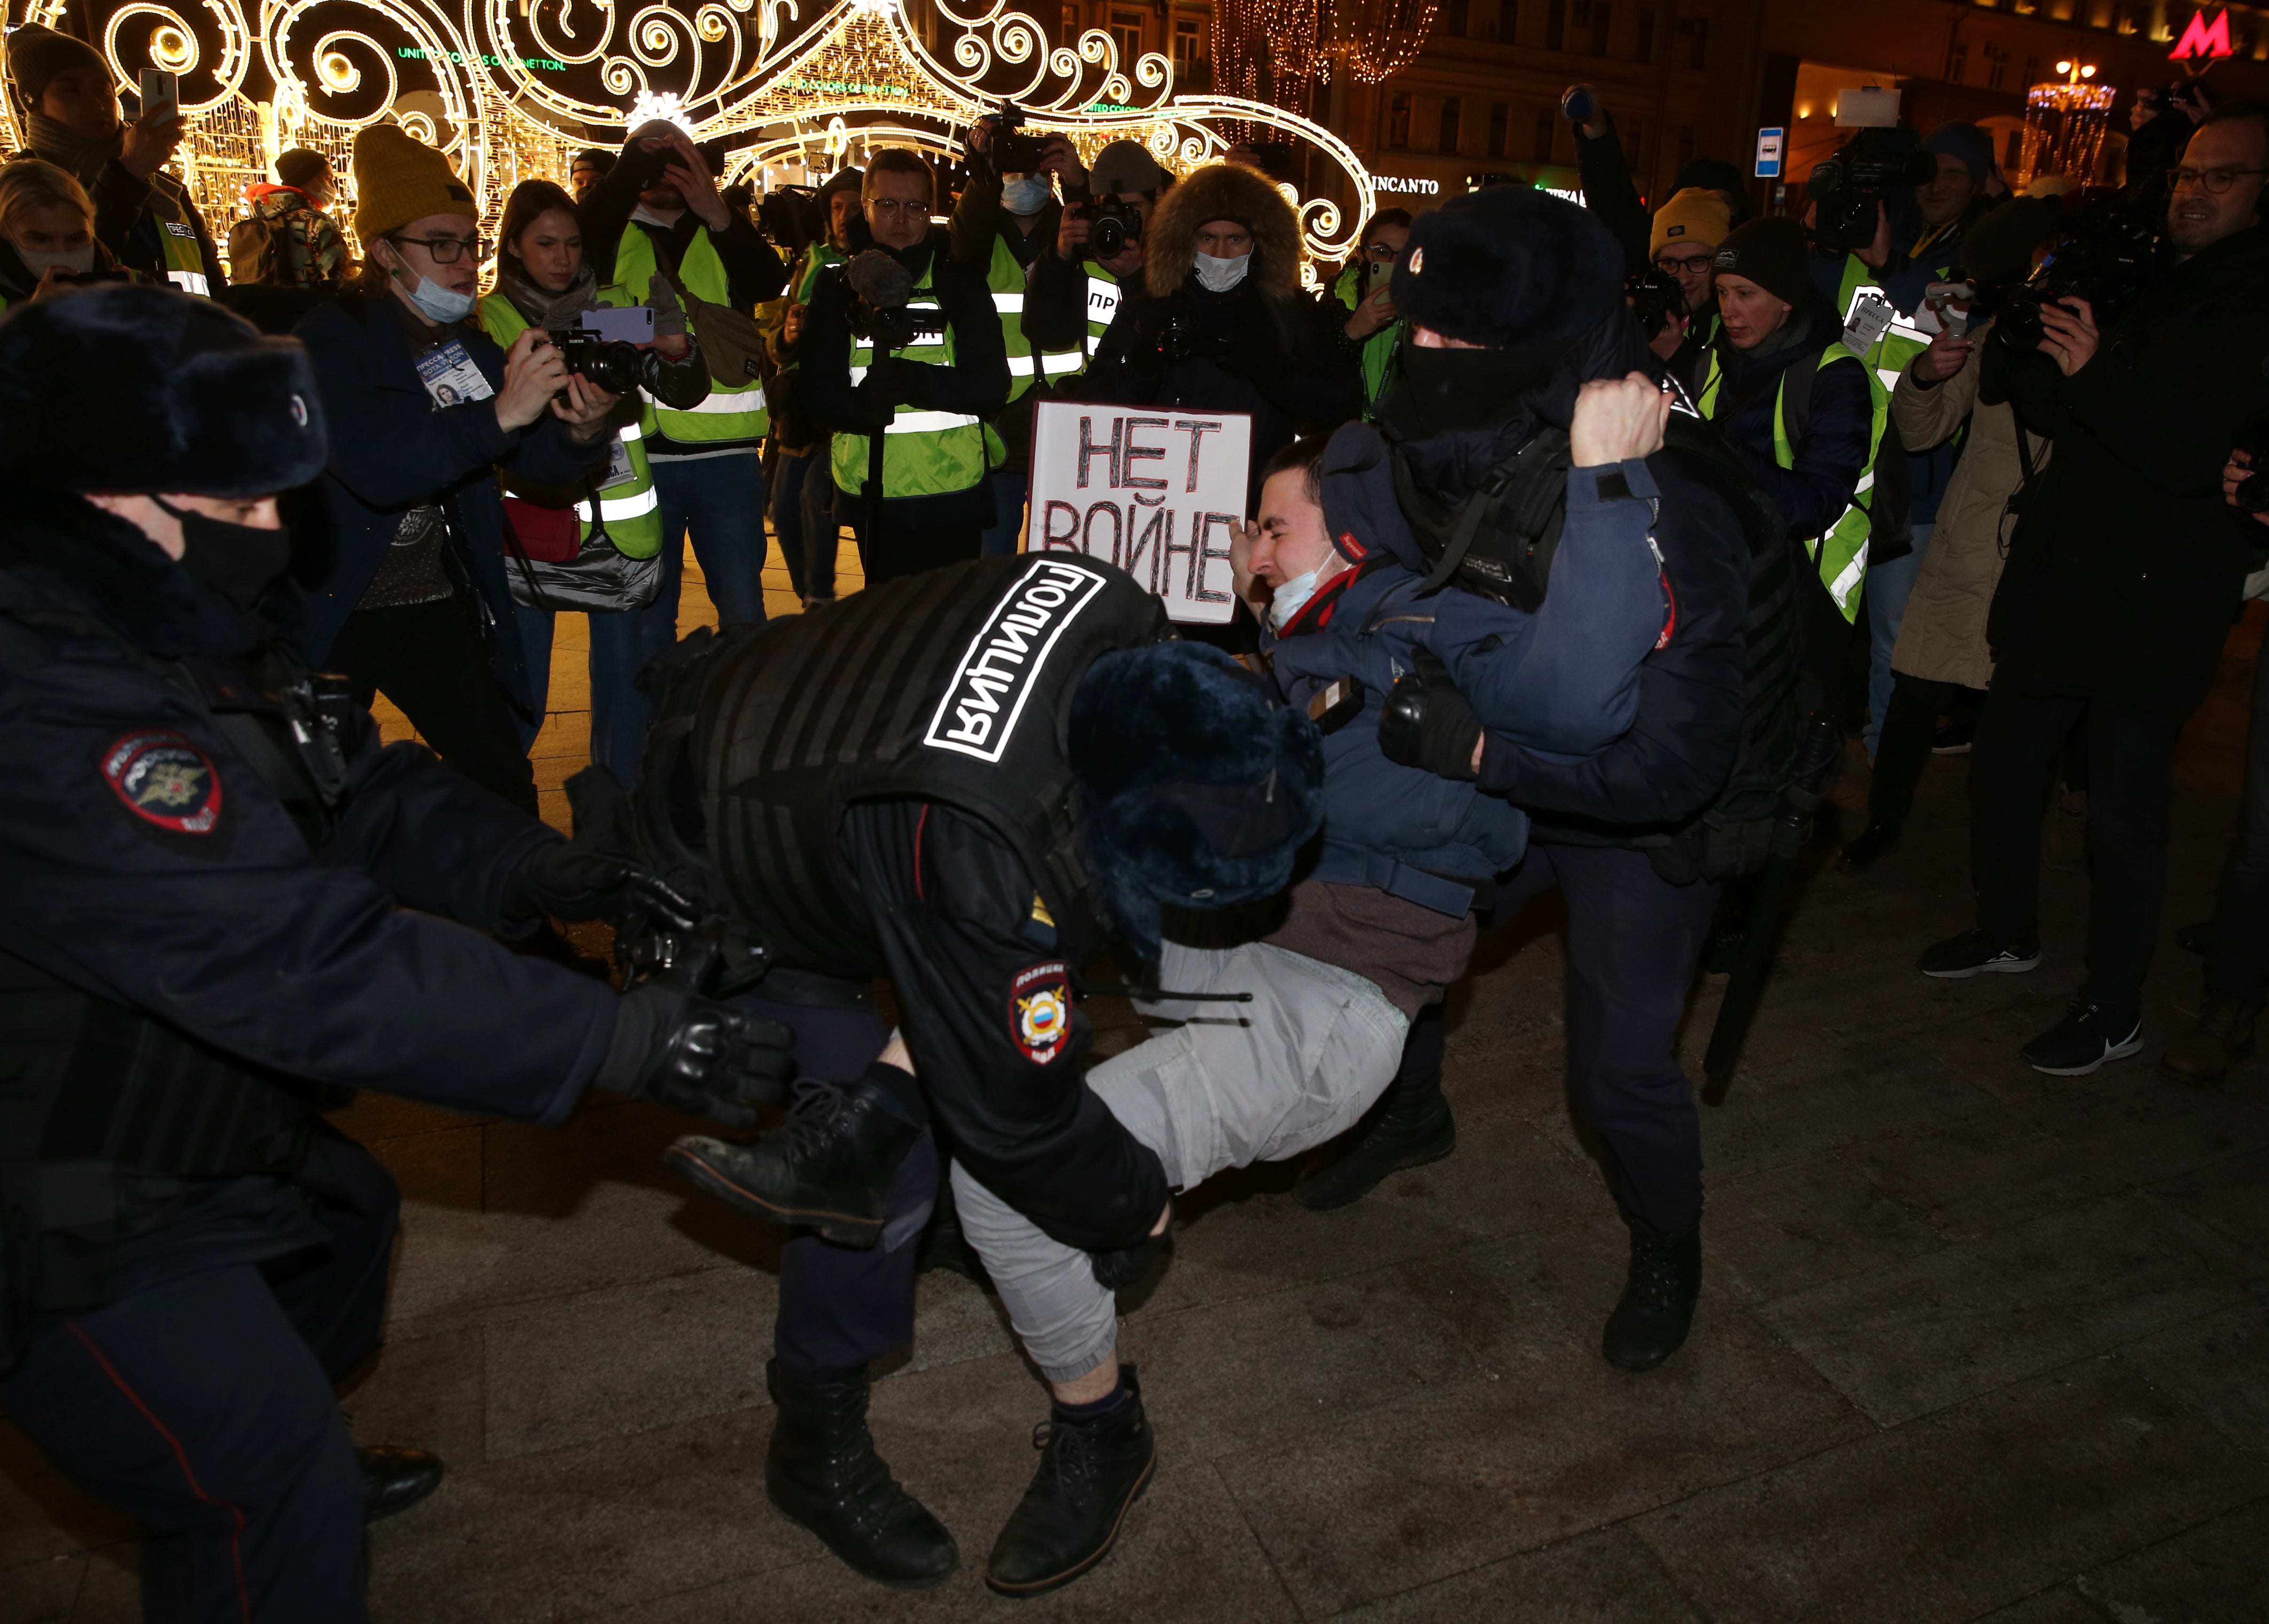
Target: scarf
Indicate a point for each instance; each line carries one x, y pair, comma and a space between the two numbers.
65, 148
542, 307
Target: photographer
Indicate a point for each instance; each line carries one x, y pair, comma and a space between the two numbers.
142, 214
2124, 573
543, 282
1373, 326
1074, 291
658, 213
403, 550
1684, 247
925, 396
1222, 325
1008, 217
47, 234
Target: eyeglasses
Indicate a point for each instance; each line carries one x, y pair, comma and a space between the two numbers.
2214, 182
1691, 265
1382, 252
445, 250
897, 208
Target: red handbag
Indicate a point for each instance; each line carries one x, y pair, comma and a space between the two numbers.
542, 534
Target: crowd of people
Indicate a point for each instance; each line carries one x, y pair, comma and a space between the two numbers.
1573, 532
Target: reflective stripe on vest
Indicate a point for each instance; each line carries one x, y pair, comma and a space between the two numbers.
927, 453
633, 510
730, 412
184, 261
1840, 553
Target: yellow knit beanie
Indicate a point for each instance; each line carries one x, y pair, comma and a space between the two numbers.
399, 179
1694, 215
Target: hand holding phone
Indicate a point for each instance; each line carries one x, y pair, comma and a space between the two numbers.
161, 95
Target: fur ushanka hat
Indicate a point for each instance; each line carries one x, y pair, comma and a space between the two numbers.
1510, 268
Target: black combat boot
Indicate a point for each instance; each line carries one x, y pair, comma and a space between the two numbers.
822, 1472
1411, 1126
1652, 1321
394, 1479
1092, 1468
830, 1167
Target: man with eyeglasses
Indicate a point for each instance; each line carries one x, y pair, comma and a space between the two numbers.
1683, 244
402, 541
2125, 571
927, 399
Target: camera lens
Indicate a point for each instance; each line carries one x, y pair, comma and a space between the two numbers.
1108, 238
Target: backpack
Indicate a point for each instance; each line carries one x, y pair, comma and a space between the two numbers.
260, 252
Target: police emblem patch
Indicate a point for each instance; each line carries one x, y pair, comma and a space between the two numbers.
166, 780
1040, 1010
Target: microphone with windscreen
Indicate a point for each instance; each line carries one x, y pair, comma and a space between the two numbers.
877, 310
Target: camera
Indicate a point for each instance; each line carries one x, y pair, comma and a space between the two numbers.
1179, 342
875, 288
791, 218
1113, 224
607, 363
1655, 296
1850, 185
2106, 256
1013, 153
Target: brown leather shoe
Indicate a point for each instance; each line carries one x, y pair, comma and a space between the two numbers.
2220, 1037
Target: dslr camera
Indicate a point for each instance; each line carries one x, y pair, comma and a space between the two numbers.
2106, 257
1179, 342
605, 363
1655, 296
1848, 186
1014, 153
1111, 225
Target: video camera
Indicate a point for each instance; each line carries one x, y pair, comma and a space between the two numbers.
1013, 153
1655, 296
2106, 256
876, 289
1178, 342
1111, 225
604, 363
1849, 186
791, 217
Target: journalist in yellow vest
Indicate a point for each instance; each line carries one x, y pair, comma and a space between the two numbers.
658, 210
1373, 326
1071, 295
1817, 470
542, 280
926, 399
804, 488
143, 215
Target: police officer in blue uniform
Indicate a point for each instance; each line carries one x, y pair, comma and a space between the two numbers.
228, 907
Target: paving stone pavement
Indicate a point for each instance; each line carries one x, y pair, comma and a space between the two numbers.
1976, 1343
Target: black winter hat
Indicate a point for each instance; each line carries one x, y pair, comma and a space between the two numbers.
1510, 268
1774, 253
37, 54
143, 389
1197, 789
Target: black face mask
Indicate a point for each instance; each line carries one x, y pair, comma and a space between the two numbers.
238, 561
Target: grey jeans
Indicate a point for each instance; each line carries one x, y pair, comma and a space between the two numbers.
1216, 1086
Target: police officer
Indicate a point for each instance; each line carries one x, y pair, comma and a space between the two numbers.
1515, 300
143, 215
927, 399
228, 907
973, 781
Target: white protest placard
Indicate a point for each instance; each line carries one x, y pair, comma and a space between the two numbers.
1159, 492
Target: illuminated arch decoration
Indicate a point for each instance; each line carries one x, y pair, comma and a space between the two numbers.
511, 88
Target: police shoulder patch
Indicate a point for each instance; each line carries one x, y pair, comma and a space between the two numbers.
1040, 1010
165, 780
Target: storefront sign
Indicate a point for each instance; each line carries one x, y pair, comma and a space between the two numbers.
1405, 183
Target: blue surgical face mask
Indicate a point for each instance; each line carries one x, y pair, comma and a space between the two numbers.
1025, 194
440, 304
1291, 598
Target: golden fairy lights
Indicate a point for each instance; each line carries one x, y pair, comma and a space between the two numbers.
1379, 38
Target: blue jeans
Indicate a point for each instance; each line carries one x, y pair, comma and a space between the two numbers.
1889, 585
618, 711
721, 501
1001, 536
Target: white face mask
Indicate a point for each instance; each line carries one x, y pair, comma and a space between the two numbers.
1025, 194
1218, 275
39, 261
1293, 595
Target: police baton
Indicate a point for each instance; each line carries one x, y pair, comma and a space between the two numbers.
1819, 759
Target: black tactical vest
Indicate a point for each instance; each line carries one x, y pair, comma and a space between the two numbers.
954, 686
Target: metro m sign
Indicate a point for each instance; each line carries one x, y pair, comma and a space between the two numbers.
2203, 39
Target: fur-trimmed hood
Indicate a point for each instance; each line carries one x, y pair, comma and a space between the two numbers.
1222, 192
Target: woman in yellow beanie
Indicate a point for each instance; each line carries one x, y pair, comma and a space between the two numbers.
409, 598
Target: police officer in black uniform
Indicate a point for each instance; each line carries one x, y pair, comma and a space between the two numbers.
228, 907
973, 781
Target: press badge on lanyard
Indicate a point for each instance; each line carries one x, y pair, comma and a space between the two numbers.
450, 376
619, 471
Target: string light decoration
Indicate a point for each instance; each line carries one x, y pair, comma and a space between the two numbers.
1378, 39
510, 89
1270, 50
2065, 125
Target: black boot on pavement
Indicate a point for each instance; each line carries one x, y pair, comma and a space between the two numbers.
1095, 1462
1657, 1310
394, 1479
1410, 1127
1873, 842
829, 1168
822, 1471
2220, 1037
2089, 1035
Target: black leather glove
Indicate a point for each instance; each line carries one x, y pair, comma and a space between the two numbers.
1115, 1271
1427, 722
563, 879
694, 1055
